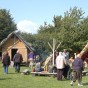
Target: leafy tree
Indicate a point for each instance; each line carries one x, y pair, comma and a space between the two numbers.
7, 24
71, 30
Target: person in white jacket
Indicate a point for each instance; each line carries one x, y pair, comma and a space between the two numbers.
60, 64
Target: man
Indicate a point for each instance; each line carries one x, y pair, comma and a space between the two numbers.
65, 54
77, 66
6, 62
66, 69
60, 64
17, 61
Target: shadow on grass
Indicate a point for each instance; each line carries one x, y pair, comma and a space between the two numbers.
13, 73
5, 78
85, 83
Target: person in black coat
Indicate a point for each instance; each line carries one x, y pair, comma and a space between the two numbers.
17, 61
6, 62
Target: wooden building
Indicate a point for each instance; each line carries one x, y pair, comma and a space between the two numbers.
14, 42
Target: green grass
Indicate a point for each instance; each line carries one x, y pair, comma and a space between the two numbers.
17, 80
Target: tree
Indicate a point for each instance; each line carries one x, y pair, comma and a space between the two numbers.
69, 29
71, 32
7, 25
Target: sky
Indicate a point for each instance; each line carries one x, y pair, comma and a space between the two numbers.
30, 14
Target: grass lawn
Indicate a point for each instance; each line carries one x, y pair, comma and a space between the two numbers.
17, 80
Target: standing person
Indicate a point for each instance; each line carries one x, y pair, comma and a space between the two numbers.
70, 75
17, 61
65, 54
6, 62
60, 64
77, 70
31, 59
66, 69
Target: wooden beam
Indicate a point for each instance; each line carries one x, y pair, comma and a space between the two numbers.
58, 45
50, 46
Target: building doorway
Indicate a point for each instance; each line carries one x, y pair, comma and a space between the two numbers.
13, 52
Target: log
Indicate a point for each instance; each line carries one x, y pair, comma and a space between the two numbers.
84, 50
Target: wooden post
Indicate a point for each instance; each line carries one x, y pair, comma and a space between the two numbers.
58, 45
53, 49
50, 45
54, 43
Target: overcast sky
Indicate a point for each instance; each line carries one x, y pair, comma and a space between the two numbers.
30, 14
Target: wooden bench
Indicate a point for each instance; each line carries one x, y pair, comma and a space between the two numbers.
43, 74
84, 73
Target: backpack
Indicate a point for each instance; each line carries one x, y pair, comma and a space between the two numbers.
17, 58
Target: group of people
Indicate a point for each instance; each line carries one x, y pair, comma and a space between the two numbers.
74, 66
17, 59
34, 62
64, 65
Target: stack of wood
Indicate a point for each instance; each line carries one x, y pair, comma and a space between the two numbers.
84, 50
46, 63
84, 55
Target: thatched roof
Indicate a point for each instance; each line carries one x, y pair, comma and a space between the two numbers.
28, 45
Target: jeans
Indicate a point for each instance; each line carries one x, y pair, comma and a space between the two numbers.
17, 67
6, 69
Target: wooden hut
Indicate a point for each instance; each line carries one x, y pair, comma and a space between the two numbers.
14, 42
